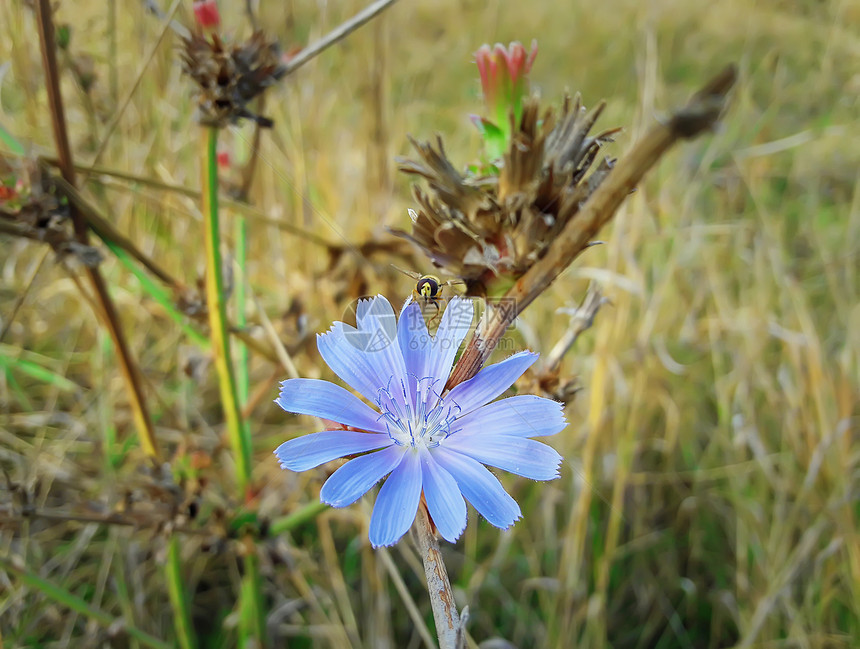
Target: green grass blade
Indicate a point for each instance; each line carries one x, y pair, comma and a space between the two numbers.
16, 387
252, 615
8, 140
75, 603
34, 370
176, 590
302, 516
157, 293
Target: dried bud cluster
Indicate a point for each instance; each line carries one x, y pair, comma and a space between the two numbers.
230, 76
28, 197
30, 202
490, 228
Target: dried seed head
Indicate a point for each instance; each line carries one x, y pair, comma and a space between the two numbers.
228, 76
28, 197
488, 226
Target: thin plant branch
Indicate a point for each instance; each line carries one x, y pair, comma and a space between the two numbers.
582, 318
28, 284
15, 230
338, 33
106, 231
238, 433
243, 208
251, 165
120, 111
278, 346
252, 629
405, 597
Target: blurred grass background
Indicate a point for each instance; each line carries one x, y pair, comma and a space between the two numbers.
709, 496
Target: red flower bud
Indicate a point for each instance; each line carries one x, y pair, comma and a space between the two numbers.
206, 14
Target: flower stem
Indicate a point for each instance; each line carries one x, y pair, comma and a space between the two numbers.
237, 431
448, 626
252, 612
243, 383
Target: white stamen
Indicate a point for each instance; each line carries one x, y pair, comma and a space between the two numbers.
426, 424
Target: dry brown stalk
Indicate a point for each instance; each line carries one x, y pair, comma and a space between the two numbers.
107, 311
106, 230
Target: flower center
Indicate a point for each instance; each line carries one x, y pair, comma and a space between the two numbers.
415, 416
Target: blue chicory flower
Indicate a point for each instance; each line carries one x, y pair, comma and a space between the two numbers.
421, 439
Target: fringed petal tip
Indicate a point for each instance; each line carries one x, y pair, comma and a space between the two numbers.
409, 300
510, 525
377, 306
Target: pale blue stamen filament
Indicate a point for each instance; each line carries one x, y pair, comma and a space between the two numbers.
425, 424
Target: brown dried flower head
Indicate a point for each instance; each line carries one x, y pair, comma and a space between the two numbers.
32, 206
488, 226
229, 76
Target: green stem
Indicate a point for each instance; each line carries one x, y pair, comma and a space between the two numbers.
252, 615
305, 514
243, 380
252, 612
75, 603
176, 590
237, 431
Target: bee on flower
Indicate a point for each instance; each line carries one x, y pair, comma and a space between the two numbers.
428, 290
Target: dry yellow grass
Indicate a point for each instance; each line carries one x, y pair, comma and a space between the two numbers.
710, 492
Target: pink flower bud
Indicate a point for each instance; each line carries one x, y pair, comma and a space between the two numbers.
504, 82
206, 14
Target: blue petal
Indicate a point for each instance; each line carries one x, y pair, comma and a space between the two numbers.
342, 350
444, 500
375, 307
397, 502
351, 481
455, 324
480, 487
308, 451
329, 401
519, 455
524, 415
368, 358
381, 349
415, 345
490, 382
